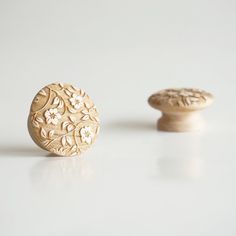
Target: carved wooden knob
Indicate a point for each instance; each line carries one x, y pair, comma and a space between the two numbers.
180, 108
63, 120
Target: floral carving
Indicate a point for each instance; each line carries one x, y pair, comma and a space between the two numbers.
76, 101
86, 134
52, 116
65, 122
180, 97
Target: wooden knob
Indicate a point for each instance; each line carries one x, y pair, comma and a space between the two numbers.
180, 108
63, 120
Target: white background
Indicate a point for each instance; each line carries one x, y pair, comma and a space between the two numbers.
134, 180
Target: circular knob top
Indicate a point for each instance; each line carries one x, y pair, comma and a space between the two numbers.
63, 119
180, 100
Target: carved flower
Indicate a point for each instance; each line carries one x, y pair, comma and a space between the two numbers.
52, 116
86, 134
76, 101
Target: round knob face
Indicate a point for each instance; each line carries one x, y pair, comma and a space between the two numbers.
183, 99
63, 120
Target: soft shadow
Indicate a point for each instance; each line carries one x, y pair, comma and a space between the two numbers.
21, 151
134, 125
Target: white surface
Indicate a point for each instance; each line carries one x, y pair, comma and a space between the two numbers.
135, 180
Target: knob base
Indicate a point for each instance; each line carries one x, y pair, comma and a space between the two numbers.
180, 122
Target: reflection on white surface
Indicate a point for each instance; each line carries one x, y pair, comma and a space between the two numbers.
180, 168
61, 171
182, 160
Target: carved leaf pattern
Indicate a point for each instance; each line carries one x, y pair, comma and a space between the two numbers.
64, 124
39, 119
61, 85
61, 104
67, 92
43, 133
74, 88
73, 148
63, 141
85, 117
35, 124
69, 140
72, 110
56, 101
82, 93
51, 133
70, 127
